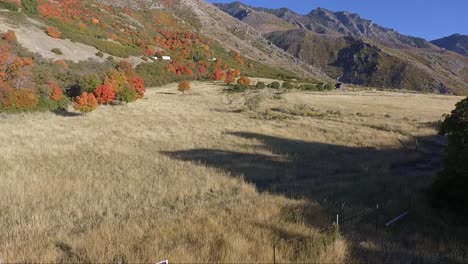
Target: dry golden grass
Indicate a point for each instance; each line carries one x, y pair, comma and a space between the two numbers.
191, 179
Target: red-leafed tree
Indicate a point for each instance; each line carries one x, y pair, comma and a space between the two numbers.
104, 94
138, 84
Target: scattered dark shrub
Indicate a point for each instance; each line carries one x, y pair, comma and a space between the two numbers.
288, 85
274, 85
260, 85
239, 88
57, 51
100, 54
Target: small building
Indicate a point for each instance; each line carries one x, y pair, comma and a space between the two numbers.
166, 58
212, 59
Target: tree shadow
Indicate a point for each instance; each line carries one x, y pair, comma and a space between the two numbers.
327, 173
65, 113
341, 179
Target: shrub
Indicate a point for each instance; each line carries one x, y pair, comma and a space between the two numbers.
127, 94
31, 6
288, 85
17, 99
100, 54
244, 81
53, 32
450, 188
57, 51
239, 88
85, 103
56, 92
104, 94
10, 36
229, 78
90, 82
138, 85
274, 85
260, 85
308, 87
9, 6
184, 86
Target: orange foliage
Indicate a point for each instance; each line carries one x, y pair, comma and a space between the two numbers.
53, 32
184, 86
85, 103
17, 99
57, 93
229, 78
95, 21
219, 75
10, 36
244, 80
138, 84
239, 59
104, 94
62, 63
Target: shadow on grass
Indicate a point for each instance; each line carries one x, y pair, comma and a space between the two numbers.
344, 180
65, 113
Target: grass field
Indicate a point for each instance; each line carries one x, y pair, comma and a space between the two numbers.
211, 176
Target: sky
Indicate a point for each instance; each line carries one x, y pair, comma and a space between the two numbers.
429, 19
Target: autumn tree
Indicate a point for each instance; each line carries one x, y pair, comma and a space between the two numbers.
104, 94
85, 103
184, 86
244, 80
57, 92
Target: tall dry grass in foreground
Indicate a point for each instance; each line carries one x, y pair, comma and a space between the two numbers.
183, 177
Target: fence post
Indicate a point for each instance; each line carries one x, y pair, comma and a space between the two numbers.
377, 218
274, 253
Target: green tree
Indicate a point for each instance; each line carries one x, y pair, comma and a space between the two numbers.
450, 188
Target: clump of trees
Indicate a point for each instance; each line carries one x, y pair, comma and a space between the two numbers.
450, 189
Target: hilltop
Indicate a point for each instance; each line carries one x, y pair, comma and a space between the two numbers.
456, 43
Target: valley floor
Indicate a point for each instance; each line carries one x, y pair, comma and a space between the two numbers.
211, 176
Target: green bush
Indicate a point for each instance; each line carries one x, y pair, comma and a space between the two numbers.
9, 6
288, 85
89, 82
450, 189
239, 88
31, 6
308, 87
100, 54
127, 94
274, 85
57, 51
260, 85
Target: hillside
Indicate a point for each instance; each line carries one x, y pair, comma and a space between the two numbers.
351, 49
456, 43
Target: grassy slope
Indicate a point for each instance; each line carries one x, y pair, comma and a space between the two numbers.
184, 177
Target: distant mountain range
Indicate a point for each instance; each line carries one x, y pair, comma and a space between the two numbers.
351, 49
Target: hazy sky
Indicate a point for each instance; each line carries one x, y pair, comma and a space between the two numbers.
429, 19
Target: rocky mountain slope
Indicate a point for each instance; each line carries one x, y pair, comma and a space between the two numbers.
456, 43
351, 49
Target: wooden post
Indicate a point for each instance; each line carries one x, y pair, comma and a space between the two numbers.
274, 253
377, 217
